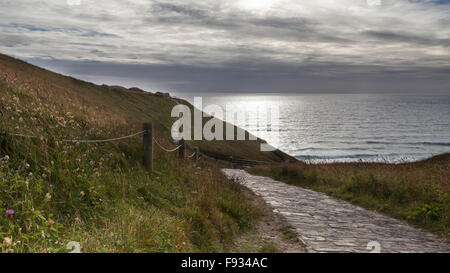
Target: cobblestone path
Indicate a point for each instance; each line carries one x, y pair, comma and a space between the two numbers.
325, 224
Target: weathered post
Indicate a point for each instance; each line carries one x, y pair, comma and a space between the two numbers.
182, 150
197, 153
147, 145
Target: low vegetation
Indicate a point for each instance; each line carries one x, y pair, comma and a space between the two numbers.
416, 192
53, 192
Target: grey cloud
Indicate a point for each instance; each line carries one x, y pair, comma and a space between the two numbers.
208, 45
242, 23
72, 30
407, 38
326, 77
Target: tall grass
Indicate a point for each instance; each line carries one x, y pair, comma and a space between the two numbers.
54, 192
415, 192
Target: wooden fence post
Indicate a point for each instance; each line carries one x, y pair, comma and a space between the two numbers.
147, 145
197, 153
182, 150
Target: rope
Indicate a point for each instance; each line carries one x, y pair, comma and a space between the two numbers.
104, 140
20, 135
87, 141
167, 150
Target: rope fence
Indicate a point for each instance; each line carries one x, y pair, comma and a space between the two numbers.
164, 149
86, 141
147, 147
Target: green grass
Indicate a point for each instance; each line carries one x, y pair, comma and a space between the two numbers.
289, 234
416, 192
269, 247
99, 194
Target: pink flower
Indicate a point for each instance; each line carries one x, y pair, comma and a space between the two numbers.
10, 212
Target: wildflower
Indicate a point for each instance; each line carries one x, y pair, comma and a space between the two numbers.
30, 174
10, 212
27, 165
7, 241
48, 196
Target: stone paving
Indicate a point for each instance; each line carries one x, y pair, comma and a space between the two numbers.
325, 224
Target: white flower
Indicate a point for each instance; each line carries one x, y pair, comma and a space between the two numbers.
48, 196
7, 241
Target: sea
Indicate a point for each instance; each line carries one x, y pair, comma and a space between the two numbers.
345, 127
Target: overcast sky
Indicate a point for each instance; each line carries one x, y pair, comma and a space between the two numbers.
237, 45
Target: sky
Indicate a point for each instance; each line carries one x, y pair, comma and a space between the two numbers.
276, 46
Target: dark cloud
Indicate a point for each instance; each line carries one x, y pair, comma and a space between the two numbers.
388, 37
327, 77
73, 30
237, 45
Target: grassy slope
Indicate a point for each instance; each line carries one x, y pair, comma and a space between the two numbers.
416, 192
122, 106
98, 194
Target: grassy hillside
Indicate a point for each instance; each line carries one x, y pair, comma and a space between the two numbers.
416, 192
53, 192
118, 106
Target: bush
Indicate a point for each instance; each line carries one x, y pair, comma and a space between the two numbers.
428, 212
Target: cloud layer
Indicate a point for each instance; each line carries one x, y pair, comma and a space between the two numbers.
237, 45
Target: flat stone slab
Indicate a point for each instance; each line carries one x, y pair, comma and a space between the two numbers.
325, 224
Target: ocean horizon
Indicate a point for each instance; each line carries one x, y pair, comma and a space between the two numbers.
348, 127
